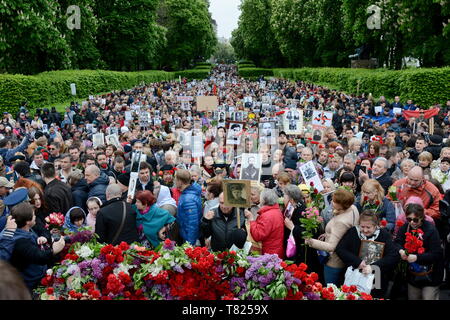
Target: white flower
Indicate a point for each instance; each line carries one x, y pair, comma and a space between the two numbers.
49, 272
84, 252
122, 268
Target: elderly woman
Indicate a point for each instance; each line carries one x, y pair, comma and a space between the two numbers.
293, 201
327, 192
372, 197
255, 195
150, 219
345, 216
349, 248
268, 228
405, 166
354, 146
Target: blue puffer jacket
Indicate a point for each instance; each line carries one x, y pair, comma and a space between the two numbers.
190, 213
98, 187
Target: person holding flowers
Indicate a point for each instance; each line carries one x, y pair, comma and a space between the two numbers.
420, 246
372, 198
294, 198
28, 257
369, 229
346, 215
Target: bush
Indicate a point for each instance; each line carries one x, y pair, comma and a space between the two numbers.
255, 72
425, 87
202, 68
203, 64
54, 87
245, 62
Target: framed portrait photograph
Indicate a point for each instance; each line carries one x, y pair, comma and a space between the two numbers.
98, 139
113, 139
235, 132
237, 193
251, 166
309, 174
293, 121
371, 251
267, 133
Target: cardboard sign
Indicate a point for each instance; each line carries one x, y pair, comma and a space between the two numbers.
207, 103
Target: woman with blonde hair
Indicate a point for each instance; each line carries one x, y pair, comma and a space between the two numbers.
373, 198
345, 216
425, 159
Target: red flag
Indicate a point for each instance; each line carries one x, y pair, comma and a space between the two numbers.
408, 114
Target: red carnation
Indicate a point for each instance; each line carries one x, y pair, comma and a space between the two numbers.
316, 191
366, 198
331, 156
420, 250
160, 173
377, 202
50, 291
311, 184
399, 223
383, 223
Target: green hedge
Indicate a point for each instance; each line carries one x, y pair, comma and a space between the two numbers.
203, 64
53, 87
246, 65
245, 62
192, 74
255, 72
424, 86
202, 68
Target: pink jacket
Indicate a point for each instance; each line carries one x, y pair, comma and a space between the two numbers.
268, 228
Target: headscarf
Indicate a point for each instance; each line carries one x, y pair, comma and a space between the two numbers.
164, 197
69, 225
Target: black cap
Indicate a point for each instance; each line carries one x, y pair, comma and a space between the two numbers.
436, 139
166, 167
124, 179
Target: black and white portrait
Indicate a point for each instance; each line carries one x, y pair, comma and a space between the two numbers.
251, 166
237, 193
234, 133
371, 251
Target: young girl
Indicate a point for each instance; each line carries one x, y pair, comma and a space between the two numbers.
75, 219
93, 204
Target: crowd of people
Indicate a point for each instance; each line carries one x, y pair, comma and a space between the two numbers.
182, 155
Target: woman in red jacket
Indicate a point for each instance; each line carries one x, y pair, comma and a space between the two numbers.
268, 228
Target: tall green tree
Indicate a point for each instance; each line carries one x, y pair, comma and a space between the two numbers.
190, 33
128, 35
224, 53
82, 39
30, 41
258, 41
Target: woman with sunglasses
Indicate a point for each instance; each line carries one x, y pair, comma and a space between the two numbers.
425, 269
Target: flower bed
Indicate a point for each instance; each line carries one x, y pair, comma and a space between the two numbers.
94, 271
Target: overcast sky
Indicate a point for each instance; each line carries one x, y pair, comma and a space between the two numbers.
226, 13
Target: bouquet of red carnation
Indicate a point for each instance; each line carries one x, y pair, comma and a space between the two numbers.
371, 205
54, 220
414, 242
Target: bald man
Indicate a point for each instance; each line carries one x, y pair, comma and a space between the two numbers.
97, 182
416, 185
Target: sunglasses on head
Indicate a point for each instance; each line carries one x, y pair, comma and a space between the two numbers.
415, 220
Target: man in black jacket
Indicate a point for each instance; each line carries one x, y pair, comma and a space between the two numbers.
109, 226
144, 181
57, 194
379, 172
221, 224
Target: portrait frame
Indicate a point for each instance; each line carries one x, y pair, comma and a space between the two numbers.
251, 175
234, 139
364, 253
245, 188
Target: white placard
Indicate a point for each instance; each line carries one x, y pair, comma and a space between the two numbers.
73, 88
128, 116
378, 109
309, 174
397, 110
132, 184
322, 119
98, 139
103, 101
197, 147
